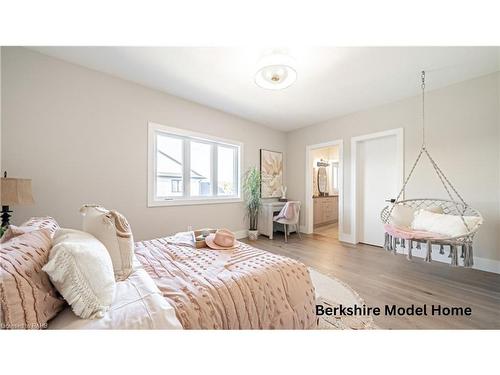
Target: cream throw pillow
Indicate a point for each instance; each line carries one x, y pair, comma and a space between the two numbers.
113, 230
449, 225
80, 268
402, 216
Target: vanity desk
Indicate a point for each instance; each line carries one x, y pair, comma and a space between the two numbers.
265, 224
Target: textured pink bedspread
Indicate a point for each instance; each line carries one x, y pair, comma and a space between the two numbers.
245, 288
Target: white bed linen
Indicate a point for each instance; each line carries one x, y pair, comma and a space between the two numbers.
138, 304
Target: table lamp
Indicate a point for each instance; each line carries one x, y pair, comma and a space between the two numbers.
15, 191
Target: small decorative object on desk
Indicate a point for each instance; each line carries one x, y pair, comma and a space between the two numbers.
283, 194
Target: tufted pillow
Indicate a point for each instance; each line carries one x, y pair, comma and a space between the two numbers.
80, 268
113, 230
35, 223
28, 299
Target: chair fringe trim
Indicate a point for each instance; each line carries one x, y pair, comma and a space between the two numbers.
409, 256
428, 256
454, 257
391, 244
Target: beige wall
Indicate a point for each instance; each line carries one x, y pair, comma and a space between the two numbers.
55, 112
327, 153
462, 135
82, 137
498, 146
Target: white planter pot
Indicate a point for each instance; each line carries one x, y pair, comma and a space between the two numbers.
253, 235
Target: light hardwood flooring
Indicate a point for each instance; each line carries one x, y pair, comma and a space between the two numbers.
382, 278
330, 230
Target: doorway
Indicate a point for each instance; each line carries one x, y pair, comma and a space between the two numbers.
377, 176
324, 189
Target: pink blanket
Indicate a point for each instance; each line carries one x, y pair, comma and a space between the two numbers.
245, 288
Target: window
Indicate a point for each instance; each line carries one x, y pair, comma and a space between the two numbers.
190, 168
176, 186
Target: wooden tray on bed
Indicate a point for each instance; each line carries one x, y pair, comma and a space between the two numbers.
196, 233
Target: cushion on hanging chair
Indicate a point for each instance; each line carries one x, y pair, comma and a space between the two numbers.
410, 234
448, 225
402, 216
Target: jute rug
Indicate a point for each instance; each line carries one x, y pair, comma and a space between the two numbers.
332, 292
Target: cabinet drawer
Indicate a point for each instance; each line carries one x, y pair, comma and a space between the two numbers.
329, 214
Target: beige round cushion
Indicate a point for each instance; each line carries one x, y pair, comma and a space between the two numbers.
113, 230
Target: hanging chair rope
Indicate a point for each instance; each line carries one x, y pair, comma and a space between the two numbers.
423, 108
445, 180
442, 177
406, 181
456, 205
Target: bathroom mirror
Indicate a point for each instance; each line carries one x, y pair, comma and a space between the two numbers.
322, 180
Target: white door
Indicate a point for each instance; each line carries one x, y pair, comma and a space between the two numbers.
379, 170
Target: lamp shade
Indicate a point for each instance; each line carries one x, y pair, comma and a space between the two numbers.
16, 191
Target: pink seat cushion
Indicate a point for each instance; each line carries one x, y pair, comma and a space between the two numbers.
410, 234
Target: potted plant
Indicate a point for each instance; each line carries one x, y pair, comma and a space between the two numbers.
251, 189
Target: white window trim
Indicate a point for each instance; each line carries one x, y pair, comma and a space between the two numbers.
153, 128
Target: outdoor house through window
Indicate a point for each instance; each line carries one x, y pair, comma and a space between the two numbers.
188, 168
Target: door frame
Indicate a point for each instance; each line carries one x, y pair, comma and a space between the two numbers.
399, 133
309, 203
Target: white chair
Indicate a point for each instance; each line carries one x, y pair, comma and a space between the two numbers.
289, 215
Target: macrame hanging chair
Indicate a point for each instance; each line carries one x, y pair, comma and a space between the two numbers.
455, 205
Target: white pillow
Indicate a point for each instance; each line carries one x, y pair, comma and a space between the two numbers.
81, 270
402, 216
113, 230
449, 225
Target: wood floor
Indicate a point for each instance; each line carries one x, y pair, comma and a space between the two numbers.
330, 230
382, 278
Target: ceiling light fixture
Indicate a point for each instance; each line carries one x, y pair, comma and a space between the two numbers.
275, 72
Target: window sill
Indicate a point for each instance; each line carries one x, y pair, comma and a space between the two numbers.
192, 202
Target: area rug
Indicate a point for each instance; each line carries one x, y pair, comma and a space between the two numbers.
331, 292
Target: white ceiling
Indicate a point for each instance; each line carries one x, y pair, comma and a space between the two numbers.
331, 81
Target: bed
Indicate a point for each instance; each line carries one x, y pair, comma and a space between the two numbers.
176, 286
244, 288
173, 285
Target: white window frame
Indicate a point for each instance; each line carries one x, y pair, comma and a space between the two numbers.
153, 201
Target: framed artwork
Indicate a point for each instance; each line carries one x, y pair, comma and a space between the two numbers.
271, 173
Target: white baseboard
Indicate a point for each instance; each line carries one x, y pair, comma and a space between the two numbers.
483, 264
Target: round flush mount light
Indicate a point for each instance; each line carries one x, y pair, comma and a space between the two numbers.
275, 73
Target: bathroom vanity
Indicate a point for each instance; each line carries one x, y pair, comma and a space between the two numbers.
326, 210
